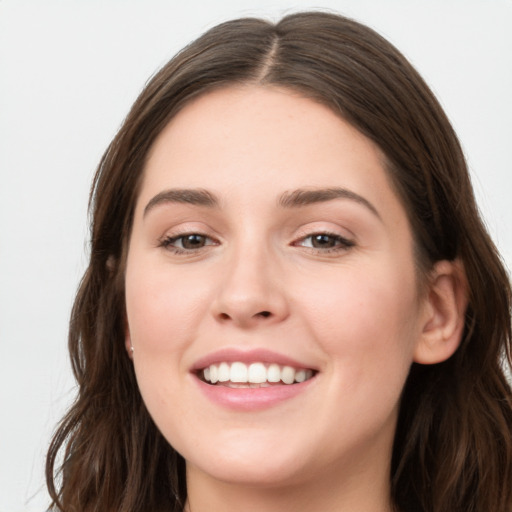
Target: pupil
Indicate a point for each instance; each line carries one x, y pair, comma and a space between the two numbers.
323, 241
193, 241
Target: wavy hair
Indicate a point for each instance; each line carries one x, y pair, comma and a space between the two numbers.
453, 445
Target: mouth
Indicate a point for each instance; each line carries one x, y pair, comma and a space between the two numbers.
254, 375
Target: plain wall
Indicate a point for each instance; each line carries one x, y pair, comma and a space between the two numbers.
69, 72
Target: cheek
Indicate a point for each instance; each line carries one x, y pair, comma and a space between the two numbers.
366, 322
161, 314
162, 308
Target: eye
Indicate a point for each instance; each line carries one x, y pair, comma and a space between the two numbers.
187, 242
325, 241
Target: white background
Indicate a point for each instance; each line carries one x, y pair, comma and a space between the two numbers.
69, 71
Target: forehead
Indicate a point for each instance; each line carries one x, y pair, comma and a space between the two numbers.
239, 129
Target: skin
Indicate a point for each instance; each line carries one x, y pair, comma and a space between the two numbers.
355, 312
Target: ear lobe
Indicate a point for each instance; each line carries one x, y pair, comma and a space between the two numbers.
128, 342
446, 303
111, 264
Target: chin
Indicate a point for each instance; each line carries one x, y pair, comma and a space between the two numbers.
265, 474
250, 463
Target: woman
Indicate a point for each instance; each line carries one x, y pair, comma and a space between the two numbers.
291, 302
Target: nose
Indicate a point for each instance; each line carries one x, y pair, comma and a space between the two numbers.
251, 291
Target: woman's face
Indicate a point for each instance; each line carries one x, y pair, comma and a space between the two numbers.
268, 245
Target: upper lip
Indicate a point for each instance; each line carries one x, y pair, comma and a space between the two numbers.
231, 355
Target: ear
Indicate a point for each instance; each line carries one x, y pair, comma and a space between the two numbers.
128, 341
111, 264
445, 307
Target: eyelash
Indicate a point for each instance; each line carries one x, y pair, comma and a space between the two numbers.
167, 243
342, 244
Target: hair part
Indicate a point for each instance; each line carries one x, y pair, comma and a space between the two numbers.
453, 447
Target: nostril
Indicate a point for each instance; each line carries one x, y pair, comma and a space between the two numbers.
264, 314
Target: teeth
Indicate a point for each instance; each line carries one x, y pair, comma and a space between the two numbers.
223, 372
214, 374
257, 373
238, 372
274, 373
300, 376
254, 375
288, 375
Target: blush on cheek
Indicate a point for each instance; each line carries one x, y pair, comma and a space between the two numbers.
158, 313
350, 317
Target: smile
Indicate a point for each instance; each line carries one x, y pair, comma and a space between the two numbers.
253, 375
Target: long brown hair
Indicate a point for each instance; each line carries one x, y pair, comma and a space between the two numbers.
453, 447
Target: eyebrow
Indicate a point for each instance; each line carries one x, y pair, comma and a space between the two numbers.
305, 197
294, 199
197, 197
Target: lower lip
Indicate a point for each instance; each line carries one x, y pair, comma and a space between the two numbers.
252, 399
